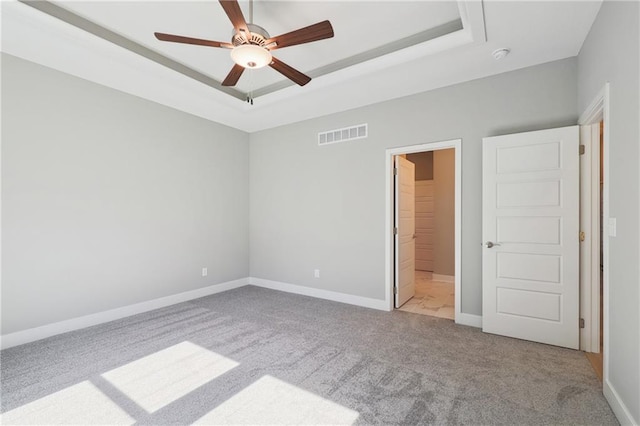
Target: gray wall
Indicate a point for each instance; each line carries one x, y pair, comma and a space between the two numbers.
610, 53
444, 233
424, 164
324, 207
109, 200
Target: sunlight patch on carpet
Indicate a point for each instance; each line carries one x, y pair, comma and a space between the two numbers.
161, 378
80, 404
270, 401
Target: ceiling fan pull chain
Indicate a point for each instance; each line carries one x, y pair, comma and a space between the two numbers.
250, 92
251, 81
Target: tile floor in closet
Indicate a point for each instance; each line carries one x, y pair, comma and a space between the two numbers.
435, 298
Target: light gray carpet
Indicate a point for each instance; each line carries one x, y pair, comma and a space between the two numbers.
303, 360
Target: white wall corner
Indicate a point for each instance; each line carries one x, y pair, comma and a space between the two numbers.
349, 299
619, 408
42, 332
469, 319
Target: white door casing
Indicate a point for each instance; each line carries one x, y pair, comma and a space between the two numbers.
530, 212
424, 225
405, 226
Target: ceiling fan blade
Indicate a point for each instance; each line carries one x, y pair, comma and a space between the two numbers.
190, 40
233, 11
233, 76
291, 73
314, 32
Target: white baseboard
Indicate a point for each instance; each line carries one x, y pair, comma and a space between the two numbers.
469, 319
444, 278
37, 333
321, 294
618, 407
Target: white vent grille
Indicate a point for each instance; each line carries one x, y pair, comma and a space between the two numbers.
343, 135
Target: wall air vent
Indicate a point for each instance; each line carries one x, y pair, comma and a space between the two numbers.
343, 135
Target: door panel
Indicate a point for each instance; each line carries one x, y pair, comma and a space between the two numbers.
531, 267
532, 230
528, 194
529, 158
405, 225
531, 304
530, 214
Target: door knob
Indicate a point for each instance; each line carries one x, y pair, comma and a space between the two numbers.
489, 244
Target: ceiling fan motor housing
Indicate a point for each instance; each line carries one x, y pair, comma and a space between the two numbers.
257, 36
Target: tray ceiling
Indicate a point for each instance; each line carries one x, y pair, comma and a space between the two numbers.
207, 20
381, 49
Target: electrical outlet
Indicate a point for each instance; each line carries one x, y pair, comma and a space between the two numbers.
204, 272
316, 273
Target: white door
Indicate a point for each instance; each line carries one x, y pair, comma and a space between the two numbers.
405, 256
424, 225
530, 219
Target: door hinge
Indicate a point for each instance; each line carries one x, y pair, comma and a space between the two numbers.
581, 322
395, 171
395, 290
582, 149
582, 236
395, 231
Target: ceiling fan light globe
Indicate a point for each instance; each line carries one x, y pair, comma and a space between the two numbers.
251, 56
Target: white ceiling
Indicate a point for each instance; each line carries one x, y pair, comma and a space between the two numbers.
536, 32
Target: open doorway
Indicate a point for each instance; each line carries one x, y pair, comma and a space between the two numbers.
434, 234
423, 248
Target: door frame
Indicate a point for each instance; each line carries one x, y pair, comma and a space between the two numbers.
598, 110
590, 237
456, 144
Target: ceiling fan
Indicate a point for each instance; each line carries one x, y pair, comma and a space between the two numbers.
251, 45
